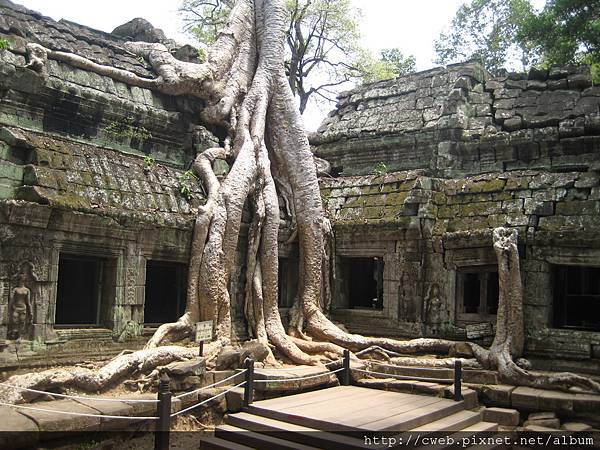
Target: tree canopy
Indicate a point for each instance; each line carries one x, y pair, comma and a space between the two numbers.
498, 32
322, 44
391, 64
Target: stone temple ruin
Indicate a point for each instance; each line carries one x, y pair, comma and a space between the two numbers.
96, 202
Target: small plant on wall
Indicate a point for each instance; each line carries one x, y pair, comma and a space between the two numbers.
186, 181
127, 129
381, 169
4, 44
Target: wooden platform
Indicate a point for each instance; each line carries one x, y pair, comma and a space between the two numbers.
352, 408
333, 417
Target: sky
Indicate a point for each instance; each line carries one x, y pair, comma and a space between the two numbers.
410, 25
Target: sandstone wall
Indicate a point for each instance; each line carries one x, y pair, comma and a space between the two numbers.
429, 229
460, 121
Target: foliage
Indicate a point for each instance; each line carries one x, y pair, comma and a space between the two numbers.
149, 161
185, 183
323, 53
391, 64
381, 169
487, 31
496, 32
127, 129
566, 31
4, 44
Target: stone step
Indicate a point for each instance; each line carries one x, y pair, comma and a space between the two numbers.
295, 433
481, 427
258, 439
454, 422
446, 373
215, 443
472, 430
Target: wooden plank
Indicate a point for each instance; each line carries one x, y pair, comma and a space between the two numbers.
307, 397
350, 415
295, 433
367, 396
414, 418
402, 407
453, 422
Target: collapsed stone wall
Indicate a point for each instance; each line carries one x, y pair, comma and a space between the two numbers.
459, 121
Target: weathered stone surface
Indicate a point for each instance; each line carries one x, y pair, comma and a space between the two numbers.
196, 366
277, 379
16, 430
115, 408
255, 350
235, 400
543, 419
229, 358
52, 420
501, 416
575, 427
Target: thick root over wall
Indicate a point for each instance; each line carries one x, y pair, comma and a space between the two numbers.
244, 86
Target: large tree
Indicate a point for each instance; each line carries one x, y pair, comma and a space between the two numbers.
321, 42
244, 85
486, 31
566, 31
499, 33
391, 64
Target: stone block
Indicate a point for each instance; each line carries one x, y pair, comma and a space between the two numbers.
235, 400
142, 409
16, 430
52, 420
115, 408
196, 366
586, 403
575, 427
525, 398
547, 423
556, 401
501, 416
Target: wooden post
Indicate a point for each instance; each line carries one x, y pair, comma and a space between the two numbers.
457, 380
249, 386
346, 371
163, 411
201, 348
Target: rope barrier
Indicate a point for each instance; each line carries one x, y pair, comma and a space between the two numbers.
404, 377
189, 408
185, 394
79, 397
283, 380
70, 413
334, 362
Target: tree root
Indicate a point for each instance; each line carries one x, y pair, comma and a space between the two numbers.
88, 380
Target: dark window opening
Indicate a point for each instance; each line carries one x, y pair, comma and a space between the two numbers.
80, 290
577, 297
336, 171
287, 282
472, 288
165, 292
477, 293
365, 282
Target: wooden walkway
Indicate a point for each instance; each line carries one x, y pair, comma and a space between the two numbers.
329, 418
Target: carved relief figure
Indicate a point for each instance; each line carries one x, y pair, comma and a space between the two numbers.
433, 307
20, 308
